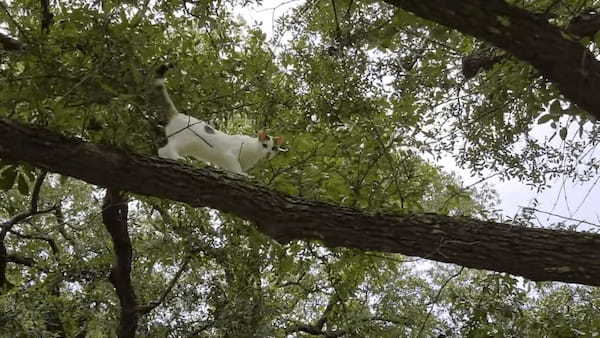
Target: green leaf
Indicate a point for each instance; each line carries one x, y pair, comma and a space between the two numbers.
563, 133
7, 178
108, 88
555, 108
597, 37
22, 184
63, 179
29, 171
545, 118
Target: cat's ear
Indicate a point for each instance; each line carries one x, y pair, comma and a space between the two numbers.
262, 136
279, 140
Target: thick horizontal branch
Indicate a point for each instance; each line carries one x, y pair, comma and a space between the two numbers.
537, 254
527, 36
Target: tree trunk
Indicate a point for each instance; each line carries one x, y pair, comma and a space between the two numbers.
114, 217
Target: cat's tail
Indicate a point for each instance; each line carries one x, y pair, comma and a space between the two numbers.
166, 107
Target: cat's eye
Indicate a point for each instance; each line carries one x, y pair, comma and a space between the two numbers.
275, 148
264, 145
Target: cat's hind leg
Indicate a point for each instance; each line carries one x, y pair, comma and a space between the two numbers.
169, 152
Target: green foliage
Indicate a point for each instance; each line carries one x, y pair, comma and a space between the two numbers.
364, 95
21, 175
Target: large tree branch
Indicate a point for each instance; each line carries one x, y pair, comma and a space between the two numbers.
538, 254
585, 25
530, 38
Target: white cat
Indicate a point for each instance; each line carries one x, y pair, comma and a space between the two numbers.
188, 136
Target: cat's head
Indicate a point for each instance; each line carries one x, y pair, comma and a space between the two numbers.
270, 146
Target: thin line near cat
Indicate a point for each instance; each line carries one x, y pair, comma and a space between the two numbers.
188, 136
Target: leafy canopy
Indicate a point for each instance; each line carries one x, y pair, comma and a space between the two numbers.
363, 93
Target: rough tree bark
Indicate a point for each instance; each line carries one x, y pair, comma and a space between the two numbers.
537, 254
585, 25
529, 37
582, 26
114, 216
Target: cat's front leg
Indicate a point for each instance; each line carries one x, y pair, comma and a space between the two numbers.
231, 163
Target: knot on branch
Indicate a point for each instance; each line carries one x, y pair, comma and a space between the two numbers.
473, 64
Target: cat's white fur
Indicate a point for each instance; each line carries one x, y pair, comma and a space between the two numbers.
188, 136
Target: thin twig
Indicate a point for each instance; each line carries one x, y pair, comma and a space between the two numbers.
337, 23
37, 186
50, 241
587, 194
8, 225
436, 299
33, 210
147, 308
562, 217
